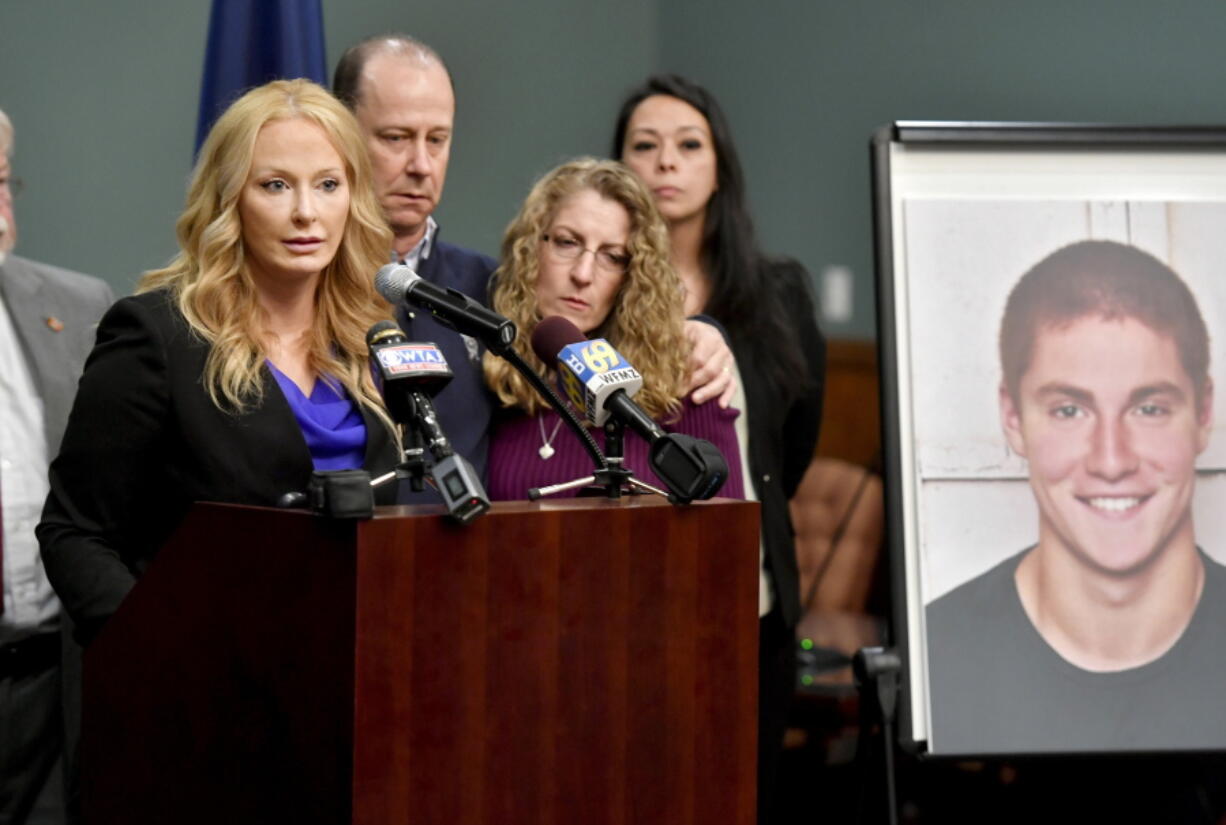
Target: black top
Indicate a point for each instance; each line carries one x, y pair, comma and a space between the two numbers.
996, 687
783, 436
144, 441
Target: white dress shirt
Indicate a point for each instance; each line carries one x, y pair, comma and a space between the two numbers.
422, 249
30, 606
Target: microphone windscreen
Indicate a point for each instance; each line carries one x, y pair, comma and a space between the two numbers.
392, 280
551, 335
380, 330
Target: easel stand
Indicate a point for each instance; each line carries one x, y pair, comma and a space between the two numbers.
876, 671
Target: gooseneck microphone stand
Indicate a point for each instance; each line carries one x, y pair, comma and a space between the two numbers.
610, 475
555, 402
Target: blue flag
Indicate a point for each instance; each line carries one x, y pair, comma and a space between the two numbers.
254, 41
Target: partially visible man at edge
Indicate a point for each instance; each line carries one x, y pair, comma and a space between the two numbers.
401, 93
47, 321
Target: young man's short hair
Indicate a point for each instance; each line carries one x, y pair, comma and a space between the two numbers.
1108, 280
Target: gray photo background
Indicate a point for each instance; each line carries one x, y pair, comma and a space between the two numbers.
104, 97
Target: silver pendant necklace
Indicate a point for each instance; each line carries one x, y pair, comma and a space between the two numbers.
546, 451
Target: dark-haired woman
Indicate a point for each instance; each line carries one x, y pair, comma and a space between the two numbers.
674, 135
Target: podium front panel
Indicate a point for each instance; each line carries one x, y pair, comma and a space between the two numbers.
587, 661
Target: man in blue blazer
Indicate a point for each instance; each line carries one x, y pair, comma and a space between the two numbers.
400, 91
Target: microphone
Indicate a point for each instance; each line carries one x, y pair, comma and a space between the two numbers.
593, 375
408, 374
397, 283
402, 368
596, 378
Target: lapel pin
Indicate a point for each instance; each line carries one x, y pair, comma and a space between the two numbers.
54, 324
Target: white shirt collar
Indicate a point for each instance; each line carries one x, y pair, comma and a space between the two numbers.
422, 249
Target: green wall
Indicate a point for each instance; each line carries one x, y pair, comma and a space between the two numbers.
806, 84
104, 98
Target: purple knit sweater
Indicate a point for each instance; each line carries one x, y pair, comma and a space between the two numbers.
516, 465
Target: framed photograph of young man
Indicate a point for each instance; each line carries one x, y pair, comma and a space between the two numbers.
1053, 306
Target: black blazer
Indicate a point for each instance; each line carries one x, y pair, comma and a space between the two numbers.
783, 432
144, 441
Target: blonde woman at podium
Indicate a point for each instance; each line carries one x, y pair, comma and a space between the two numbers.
239, 368
589, 245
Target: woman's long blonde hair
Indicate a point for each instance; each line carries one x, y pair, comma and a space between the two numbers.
209, 278
646, 324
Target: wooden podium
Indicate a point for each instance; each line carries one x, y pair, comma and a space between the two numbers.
584, 661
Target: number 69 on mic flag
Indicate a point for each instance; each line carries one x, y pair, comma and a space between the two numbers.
590, 371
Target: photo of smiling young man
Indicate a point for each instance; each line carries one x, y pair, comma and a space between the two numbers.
1104, 635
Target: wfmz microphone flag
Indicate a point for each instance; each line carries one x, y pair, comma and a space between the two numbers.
590, 371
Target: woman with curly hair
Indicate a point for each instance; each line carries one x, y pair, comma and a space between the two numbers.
590, 246
673, 133
240, 367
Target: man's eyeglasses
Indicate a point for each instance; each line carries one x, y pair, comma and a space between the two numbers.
12, 185
566, 248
